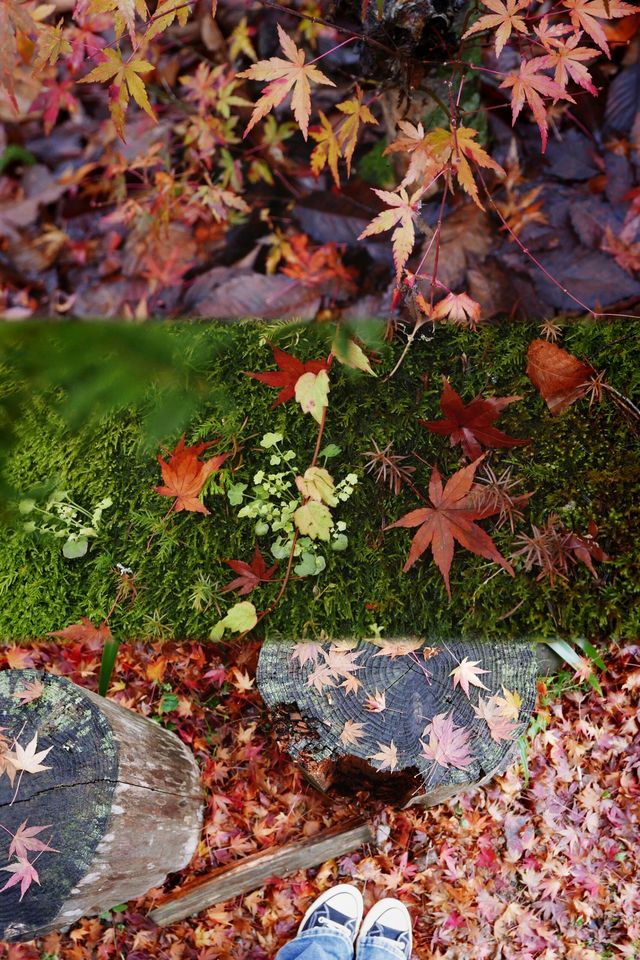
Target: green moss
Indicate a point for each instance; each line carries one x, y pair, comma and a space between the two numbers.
583, 464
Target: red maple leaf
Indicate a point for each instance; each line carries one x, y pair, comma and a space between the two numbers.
450, 518
471, 424
249, 574
289, 371
185, 475
85, 632
23, 873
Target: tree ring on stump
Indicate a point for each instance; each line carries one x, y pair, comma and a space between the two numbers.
374, 731
72, 799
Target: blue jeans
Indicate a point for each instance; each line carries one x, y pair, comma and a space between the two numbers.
321, 944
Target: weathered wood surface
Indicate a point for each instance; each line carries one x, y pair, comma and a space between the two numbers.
251, 872
122, 798
310, 719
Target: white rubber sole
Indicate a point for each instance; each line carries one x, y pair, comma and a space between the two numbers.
397, 918
348, 900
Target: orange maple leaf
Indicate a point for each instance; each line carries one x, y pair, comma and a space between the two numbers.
400, 215
293, 75
566, 59
504, 17
185, 475
454, 148
531, 86
449, 519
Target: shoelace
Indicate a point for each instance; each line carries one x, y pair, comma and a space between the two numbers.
327, 922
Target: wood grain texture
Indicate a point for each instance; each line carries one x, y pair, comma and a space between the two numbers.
123, 798
251, 872
310, 722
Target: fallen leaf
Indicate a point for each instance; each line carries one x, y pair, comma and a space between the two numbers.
468, 672
448, 745
24, 873
472, 424
85, 632
185, 475
352, 732
27, 758
289, 371
312, 393
450, 518
250, 575
29, 693
24, 839
500, 726
387, 757
559, 377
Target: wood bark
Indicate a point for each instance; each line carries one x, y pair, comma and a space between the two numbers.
315, 721
122, 801
251, 872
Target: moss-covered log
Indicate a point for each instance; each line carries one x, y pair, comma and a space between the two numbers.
117, 800
360, 714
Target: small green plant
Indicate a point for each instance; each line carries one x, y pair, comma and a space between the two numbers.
60, 517
284, 502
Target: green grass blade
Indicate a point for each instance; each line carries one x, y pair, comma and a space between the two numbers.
109, 654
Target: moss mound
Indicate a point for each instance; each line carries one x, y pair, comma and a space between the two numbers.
582, 465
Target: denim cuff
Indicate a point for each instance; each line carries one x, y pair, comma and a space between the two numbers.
332, 934
379, 948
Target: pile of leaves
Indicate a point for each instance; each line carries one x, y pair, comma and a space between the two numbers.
546, 867
172, 159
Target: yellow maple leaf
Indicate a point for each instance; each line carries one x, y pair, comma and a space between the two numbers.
327, 150
125, 82
51, 46
454, 148
288, 75
402, 208
357, 113
424, 165
504, 17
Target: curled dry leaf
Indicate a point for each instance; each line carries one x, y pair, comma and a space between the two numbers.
559, 377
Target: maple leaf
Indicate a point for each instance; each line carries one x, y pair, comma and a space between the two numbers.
250, 575
27, 758
185, 475
289, 371
448, 745
500, 726
565, 58
320, 677
400, 215
509, 704
397, 648
530, 85
85, 632
449, 519
459, 308
125, 82
351, 684
342, 663
25, 839
587, 13
242, 681
327, 150
504, 17
468, 672
30, 692
306, 652
376, 703
352, 732
423, 166
52, 44
387, 758
357, 113
293, 75
471, 424
560, 377
24, 873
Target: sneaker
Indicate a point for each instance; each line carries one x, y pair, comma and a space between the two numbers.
389, 920
339, 908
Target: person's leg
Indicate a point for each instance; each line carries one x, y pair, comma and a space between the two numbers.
328, 928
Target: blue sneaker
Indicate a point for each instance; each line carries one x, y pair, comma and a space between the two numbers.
389, 921
339, 908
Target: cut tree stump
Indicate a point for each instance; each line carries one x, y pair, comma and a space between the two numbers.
251, 872
356, 714
119, 798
